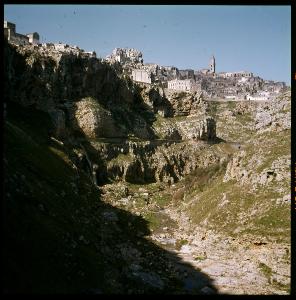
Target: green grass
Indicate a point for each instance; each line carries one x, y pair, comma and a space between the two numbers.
162, 200
200, 257
121, 158
245, 119
279, 144
201, 178
180, 243
231, 105
266, 270
158, 220
270, 221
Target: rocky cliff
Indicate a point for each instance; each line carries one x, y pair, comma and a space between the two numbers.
88, 99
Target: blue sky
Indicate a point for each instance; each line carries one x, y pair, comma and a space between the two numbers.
251, 38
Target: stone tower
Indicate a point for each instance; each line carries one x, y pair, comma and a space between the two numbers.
212, 66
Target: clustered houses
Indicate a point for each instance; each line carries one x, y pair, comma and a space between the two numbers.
227, 85
125, 55
58, 50
242, 85
67, 49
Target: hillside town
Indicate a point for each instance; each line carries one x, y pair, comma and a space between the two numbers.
240, 85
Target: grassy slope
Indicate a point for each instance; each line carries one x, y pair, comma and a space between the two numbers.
246, 211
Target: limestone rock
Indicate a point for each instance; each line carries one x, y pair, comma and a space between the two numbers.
274, 115
186, 103
94, 120
235, 168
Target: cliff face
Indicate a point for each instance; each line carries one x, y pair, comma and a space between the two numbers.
45, 79
53, 83
88, 99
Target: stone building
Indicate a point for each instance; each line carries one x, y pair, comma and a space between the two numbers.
170, 72
258, 97
227, 85
141, 75
186, 74
17, 38
125, 55
33, 38
239, 74
274, 87
183, 85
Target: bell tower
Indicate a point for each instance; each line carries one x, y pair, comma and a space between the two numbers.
212, 65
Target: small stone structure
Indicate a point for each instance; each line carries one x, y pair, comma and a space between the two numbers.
183, 85
186, 74
124, 55
17, 38
238, 74
140, 75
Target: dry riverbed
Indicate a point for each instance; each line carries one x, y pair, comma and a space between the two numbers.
236, 265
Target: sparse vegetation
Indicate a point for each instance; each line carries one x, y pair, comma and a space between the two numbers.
180, 243
266, 270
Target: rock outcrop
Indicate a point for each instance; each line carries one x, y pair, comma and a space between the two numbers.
206, 195
94, 120
186, 103
266, 161
274, 115
204, 129
152, 161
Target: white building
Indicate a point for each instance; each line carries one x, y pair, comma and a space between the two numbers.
33, 38
230, 97
183, 85
140, 75
125, 55
258, 97
239, 74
